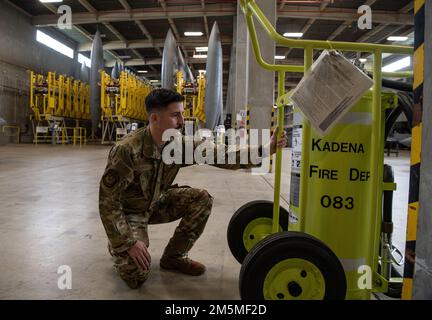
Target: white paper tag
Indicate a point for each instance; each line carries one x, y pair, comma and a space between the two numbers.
331, 87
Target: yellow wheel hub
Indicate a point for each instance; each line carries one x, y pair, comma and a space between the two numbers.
294, 279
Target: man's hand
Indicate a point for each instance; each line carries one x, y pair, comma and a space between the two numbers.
140, 255
279, 143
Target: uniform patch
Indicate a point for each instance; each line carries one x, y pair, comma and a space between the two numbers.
110, 178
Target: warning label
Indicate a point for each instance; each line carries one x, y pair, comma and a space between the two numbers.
295, 189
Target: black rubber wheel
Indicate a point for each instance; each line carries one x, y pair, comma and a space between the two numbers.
276, 269
259, 213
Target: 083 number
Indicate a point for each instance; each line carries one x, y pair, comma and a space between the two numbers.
337, 202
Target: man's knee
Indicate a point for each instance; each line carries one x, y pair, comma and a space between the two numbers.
205, 198
127, 269
134, 280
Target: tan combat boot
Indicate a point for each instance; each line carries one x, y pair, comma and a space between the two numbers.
182, 264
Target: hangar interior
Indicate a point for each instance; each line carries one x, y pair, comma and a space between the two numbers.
54, 145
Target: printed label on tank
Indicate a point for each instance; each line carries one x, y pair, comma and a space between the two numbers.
296, 146
295, 189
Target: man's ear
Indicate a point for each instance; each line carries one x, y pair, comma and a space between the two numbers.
154, 117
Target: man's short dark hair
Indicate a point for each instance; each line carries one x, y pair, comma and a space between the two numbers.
159, 99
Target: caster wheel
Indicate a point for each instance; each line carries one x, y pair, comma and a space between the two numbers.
250, 224
292, 266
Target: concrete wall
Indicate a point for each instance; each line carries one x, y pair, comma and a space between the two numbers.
261, 82
422, 288
19, 52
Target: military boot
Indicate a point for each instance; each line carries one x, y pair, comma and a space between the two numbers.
175, 257
182, 264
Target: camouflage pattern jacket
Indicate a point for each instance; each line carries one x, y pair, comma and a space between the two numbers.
135, 177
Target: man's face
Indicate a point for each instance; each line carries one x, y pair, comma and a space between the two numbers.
171, 117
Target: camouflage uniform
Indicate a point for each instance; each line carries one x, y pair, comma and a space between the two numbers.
136, 190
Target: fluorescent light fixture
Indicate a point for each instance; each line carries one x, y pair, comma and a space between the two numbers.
193, 33
363, 60
124, 57
202, 71
200, 56
142, 71
293, 34
50, 1
397, 38
153, 81
201, 49
279, 57
397, 65
84, 60
54, 44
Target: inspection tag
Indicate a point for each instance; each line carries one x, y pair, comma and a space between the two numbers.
329, 89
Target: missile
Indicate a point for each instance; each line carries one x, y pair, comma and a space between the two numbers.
115, 72
97, 64
84, 73
183, 67
169, 62
214, 89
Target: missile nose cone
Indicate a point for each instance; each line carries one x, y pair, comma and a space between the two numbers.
214, 34
169, 61
115, 71
84, 76
214, 79
97, 63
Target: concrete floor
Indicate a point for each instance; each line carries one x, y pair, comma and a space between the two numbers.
49, 218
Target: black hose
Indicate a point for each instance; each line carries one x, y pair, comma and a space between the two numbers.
388, 176
405, 106
397, 85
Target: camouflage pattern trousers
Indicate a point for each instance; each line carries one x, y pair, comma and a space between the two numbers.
192, 205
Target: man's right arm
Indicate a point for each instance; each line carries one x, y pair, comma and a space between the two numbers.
117, 176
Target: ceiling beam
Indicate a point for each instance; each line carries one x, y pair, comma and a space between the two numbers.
151, 43
377, 29
193, 11
379, 16
149, 37
140, 25
88, 6
364, 38
206, 28
84, 32
151, 74
158, 61
346, 23
173, 12
115, 32
308, 24
173, 26
125, 5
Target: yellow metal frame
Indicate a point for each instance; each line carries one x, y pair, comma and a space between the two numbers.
252, 10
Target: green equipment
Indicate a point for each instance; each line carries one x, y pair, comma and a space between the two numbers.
333, 242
